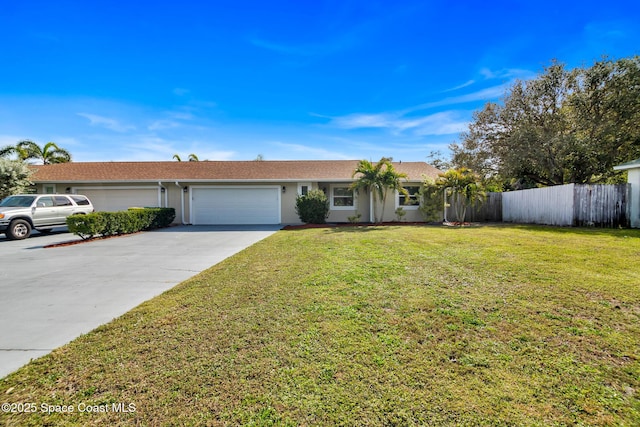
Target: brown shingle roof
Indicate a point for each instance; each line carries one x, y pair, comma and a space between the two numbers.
309, 170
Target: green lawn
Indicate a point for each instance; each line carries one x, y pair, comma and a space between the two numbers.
505, 325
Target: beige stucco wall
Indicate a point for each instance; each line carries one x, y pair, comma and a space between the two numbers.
173, 196
634, 197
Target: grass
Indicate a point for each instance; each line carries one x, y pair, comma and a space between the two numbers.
370, 326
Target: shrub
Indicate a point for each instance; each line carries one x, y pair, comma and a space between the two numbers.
313, 207
86, 226
123, 222
432, 204
160, 217
354, 219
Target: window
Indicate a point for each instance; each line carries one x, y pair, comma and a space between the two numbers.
303, 188
62, 201
342, 198
80, 200
50, 189
17, 201
45, 202
410, 201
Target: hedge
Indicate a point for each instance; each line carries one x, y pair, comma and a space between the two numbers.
123, 222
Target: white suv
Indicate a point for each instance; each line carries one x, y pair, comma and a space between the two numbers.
24, 212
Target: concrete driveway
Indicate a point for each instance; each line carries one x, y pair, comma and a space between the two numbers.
49, 296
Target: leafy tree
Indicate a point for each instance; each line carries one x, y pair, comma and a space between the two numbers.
313, 207
14, 177
465, 187
378, 179
563, 126
438, 160
29, 150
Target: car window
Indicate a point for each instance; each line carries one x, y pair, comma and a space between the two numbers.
17, 201
45, 202
62, 201
81, 200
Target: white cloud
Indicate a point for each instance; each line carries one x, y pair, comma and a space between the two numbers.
463, 85
442, 123
506, 73
106, 122
488, 74
358, 120
486, 94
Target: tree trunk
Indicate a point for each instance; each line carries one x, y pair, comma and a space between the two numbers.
384, 201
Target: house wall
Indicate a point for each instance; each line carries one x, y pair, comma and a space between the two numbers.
288, 207
174, 196
634, 197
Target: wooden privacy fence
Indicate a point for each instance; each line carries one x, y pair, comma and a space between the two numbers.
489, 211
549, 205
601, 205
566, 205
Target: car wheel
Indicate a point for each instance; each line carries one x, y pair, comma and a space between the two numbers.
18, 229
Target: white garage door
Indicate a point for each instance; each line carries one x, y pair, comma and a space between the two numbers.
120, 199
235, 205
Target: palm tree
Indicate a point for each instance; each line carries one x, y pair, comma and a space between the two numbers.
391, 181
378, 179
11, 149
192, 158
466, 186
48, 154
369, 180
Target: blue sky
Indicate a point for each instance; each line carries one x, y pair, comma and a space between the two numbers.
228, 80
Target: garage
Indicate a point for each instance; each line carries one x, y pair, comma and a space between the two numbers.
234, 205
113, 199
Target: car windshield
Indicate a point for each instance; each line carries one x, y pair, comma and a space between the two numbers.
17, 201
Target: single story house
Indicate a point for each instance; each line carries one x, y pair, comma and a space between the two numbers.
633, 178
228, 192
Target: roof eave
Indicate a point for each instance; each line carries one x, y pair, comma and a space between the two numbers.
199, 180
